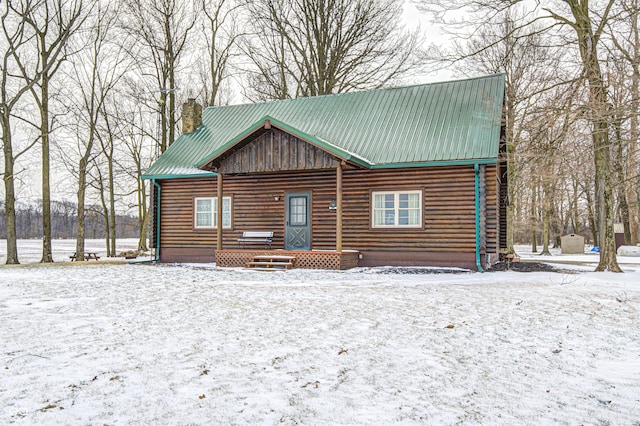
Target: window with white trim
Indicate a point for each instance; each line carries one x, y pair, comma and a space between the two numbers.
397, 209
206, 212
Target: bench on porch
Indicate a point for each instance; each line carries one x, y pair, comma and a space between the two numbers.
256, 237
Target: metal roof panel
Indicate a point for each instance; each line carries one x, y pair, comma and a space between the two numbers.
440, 122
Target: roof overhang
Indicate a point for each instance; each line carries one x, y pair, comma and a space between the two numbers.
180, 176
266, 123
465, 162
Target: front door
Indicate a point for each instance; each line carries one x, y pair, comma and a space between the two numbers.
298, 226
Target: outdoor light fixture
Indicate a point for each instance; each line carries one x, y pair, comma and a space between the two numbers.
332, 205
276, 197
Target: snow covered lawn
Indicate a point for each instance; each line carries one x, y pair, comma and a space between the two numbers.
180, 344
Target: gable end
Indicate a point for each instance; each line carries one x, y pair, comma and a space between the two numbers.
275, 150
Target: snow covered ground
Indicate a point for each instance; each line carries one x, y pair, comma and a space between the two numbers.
100, 343
30, 251
588, 260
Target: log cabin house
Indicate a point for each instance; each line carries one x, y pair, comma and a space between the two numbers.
407, 176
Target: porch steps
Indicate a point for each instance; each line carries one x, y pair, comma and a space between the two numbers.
271, 263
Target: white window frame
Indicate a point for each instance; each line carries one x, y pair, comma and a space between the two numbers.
396, 210
212, 214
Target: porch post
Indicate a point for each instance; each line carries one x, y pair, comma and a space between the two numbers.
339, 208
219, 224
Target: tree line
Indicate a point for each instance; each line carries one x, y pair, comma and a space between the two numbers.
64, 222
93, 88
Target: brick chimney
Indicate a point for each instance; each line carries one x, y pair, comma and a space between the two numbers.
191, 115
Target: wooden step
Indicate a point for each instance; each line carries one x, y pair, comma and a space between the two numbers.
269, 269
271, 262
270, 265
274, 258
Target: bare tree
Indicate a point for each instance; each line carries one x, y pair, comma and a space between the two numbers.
27, 28
51, 23
108, 136
272, 77
97, 70
221, 28
15, 39
327, 46
625, 37
548, 126
136, 144
623, 155
161, 29
588, 33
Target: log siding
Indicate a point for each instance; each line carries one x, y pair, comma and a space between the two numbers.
448, 212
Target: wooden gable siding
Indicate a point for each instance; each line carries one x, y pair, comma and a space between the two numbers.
448, 216
274, 151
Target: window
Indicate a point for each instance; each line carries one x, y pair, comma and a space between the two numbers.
400, 209
206, 212
298, 211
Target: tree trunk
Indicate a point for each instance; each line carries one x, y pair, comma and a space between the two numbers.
144, 224
143, 213
599, 114
107, 225
546, 218
545, 235
511, 169
47, 255
574, 213
112, 206
621, 185
172, 107
163, 121
605, 202
105, 213
532, 217
170, 62
592, 217
82, 178
633, 185
9, 190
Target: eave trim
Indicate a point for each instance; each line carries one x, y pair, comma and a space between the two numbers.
185, 176
435, 163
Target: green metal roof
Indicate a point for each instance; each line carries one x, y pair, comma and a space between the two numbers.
431, 124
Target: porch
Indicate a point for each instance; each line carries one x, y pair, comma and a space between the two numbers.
337, 260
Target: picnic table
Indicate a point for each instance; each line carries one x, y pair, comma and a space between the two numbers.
87, 256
